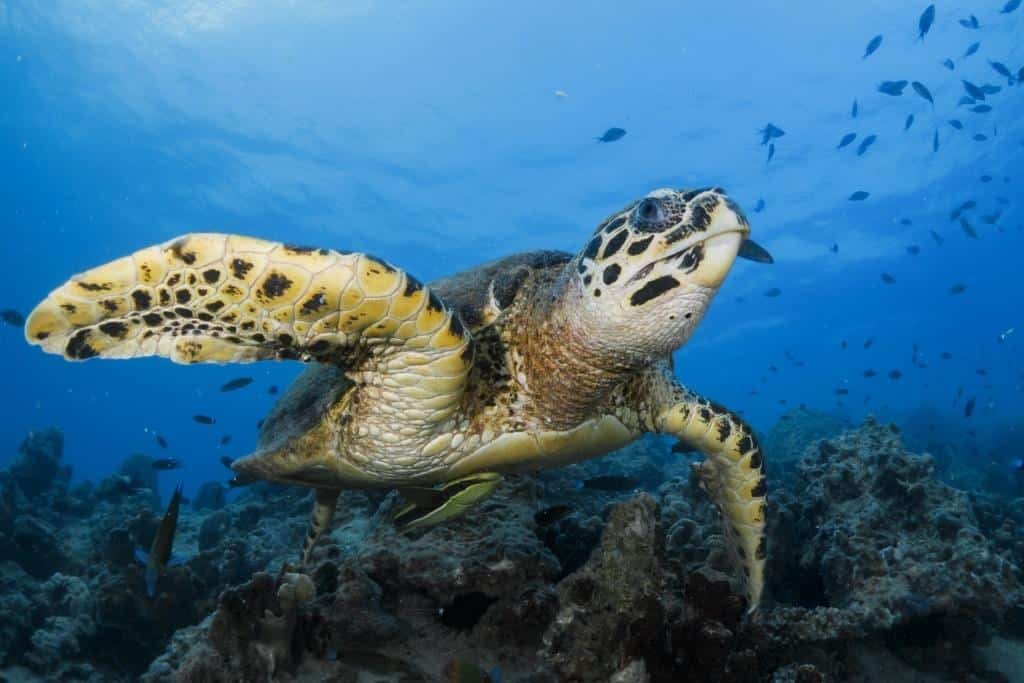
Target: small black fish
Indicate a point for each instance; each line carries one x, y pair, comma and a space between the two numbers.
971, 49
160, 557
259, 422
161, 441
895, 374
204, 419
834, 248
550, 515
981, 108
771, 152
865, 143
921, 90
611, 135
683, 448
759, 207
985, 179
610, 482
859, 196
888, 279
913, 250
272, 390
772, 292
946, 355
1002, 70
12, 317
958, 289
968, 228
990, 89
971, 22
906, 221
868, 342
956, 123
893, 88
854, 110
908, 123
1010, 6
924, 23
166, 464
773, 368
937, 237
873, 45
949, 64
935, 142
770, 132
979, 137
870, 373
981, 371
225, 440
842, 392
236, 384
969, 407
843, 344
226, 461
965, 100
974, 91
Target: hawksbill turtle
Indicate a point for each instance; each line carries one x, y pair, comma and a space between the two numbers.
527, 362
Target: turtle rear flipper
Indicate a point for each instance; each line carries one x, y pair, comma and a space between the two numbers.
427, 506
210, 298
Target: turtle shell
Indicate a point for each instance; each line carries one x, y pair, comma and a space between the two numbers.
468, 292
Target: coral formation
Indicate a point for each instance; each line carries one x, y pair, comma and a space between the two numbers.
875, 566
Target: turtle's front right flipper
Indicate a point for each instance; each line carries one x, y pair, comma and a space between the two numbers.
231, 299
427, 507
732, 474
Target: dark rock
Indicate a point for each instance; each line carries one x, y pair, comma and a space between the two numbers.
37, 467
213, 530
610, 611
211, 496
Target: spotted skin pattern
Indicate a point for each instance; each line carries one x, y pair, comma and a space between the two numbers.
562, 358
732, 474
206, 298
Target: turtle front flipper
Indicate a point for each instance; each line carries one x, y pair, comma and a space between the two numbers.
732, 474
427, 507
319, 519
229, 299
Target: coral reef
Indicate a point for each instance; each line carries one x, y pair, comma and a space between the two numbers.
876, 569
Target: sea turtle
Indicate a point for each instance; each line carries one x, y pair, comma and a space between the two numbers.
531, 361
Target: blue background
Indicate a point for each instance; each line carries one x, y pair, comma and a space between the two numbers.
432, 134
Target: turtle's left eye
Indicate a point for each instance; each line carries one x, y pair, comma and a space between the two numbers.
649, 211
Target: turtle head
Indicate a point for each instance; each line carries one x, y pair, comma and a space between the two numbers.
647, 276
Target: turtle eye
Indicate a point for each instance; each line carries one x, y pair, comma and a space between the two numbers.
649, 211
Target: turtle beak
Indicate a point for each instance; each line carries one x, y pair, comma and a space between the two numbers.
752, 251
720, 253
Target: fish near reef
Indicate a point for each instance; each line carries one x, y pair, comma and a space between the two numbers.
160, 556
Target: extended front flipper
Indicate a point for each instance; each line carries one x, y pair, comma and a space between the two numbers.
319, 519
732, 474
210, 298
428, 506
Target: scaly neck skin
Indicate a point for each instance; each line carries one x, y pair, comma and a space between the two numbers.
568, 367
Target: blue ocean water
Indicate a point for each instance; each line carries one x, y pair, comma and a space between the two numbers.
440, 135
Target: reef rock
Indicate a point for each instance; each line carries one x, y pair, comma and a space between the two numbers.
794, 432
610, 611
211, 496
37, 467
